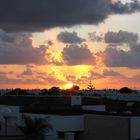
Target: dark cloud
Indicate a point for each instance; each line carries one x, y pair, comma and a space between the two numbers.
12, 37
120, 37
19, 50
115, 38
120, 8
77, 55
113, 57
111, 73
31, 72
68, 37
96, 75
37, 15
95, 38
27, 72
119, 57
104, 74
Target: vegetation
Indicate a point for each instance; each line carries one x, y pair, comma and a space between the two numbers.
73, 90
125, 90
34, 129
90, 86
54, 91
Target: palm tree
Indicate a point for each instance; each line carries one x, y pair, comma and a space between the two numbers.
34, 129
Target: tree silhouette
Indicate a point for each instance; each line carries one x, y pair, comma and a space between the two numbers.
54, 90
75, 87
34, 129
90, 86
125, 90
72, 90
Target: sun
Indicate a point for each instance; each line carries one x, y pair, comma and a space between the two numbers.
69, 85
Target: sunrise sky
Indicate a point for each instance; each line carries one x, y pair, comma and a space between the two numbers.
45, 43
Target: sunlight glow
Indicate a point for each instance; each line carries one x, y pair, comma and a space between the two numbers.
69, 85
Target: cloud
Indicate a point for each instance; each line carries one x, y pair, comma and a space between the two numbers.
111, 73
19, 81
95, 76
2, 73
95, 38
77, 55
32, 73
120, 8
10, 38
50, 43
71, 78
135, 78
122, 50
68, 37
53, 80
115, 38
120, 37
27, 72
19, 50
35, 15
104, 74
113, 57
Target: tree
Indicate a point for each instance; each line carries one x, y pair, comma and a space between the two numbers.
90, 86
44, 92
75, 87
54, 91
34, 129
18, 91
125, 90
72, 90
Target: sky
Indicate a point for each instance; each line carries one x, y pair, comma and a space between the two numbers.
45, 43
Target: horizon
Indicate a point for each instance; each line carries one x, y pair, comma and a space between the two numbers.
68, 88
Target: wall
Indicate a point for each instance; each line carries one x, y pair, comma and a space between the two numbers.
62, 123
94, 107
14, 117
102, 127
76, 100
59, 123
135, 127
